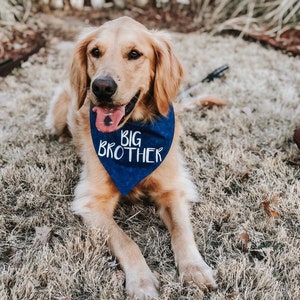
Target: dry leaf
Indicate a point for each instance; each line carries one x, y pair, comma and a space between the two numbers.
244, 238
210, 101
270, 212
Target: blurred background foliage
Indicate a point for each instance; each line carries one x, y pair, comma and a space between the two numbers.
247, 16
25, 24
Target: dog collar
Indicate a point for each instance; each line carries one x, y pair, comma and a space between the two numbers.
134, 151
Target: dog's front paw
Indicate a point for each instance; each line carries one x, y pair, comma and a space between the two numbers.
199, 273
142, 286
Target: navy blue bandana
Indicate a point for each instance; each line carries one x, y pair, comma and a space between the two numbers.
134, 151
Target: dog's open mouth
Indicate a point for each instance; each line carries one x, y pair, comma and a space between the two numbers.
109, 118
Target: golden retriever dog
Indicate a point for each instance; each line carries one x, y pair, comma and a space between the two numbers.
123, 74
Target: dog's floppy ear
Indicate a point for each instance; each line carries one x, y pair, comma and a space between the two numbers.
168, 73
78, 72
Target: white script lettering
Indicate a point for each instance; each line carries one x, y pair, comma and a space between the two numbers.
130, 148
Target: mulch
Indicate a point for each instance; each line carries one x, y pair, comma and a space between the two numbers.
288, 41
20, 41
17, 44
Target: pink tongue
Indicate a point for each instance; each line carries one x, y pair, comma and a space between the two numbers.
108, 119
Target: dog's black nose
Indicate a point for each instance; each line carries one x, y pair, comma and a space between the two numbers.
103, 88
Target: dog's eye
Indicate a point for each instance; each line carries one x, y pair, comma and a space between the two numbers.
134, 54
96, 53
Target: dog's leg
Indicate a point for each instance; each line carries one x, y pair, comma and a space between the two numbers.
174, 211
97, 210
56, 119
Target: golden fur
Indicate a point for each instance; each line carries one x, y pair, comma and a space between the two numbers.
157, 74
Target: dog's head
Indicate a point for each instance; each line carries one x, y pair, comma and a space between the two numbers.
127, 72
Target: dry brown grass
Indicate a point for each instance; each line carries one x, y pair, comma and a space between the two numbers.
268, 16
241, 156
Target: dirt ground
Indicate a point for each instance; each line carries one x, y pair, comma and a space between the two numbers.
241, 156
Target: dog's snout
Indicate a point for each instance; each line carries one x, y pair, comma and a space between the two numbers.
104, 87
